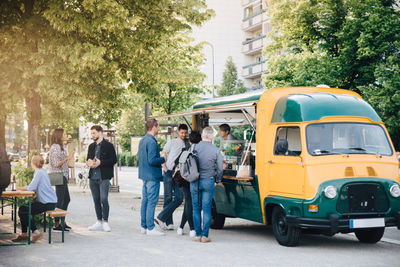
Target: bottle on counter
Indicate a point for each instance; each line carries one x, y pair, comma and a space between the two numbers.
13, 184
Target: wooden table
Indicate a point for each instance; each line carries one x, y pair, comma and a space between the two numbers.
14, 195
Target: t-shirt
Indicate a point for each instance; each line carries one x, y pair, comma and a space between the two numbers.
96, 174
173, 148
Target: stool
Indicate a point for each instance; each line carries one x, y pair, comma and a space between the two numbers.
57, 213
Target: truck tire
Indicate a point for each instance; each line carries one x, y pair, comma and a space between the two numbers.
217, 219
286, 235
370, 235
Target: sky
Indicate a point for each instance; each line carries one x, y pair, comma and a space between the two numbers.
224, 32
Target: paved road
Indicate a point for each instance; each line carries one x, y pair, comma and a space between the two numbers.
240, 243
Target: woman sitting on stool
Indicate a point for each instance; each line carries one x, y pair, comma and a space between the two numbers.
46, 199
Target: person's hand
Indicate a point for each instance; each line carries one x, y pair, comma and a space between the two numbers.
164, 166
166, 157
89, 163
96, 163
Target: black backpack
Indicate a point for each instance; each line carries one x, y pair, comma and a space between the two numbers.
5, 169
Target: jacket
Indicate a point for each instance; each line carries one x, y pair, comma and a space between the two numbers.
108, 158
149, 159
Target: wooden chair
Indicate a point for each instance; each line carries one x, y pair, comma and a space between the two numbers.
57, 213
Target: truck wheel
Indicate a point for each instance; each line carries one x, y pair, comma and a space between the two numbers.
217, 219
286, 235
370, 235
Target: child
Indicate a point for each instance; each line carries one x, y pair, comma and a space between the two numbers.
46, 199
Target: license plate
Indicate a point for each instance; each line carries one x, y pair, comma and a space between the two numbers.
367, 223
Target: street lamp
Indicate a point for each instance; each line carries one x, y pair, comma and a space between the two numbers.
212, 51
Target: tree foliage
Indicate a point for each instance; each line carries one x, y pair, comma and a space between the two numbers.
342, 43
79, 58
231, 85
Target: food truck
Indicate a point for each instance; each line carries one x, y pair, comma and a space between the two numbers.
309, 160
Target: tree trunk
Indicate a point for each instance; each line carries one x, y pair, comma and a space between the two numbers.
34, 114
3, 119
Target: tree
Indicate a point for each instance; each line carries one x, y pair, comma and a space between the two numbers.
231, 85
75, 58
341, 43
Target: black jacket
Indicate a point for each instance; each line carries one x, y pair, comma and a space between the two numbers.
108, 158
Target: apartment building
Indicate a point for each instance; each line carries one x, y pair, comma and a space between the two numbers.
255, 27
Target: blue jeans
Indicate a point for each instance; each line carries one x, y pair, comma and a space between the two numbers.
205, 194
187, 215
170, 204
150, 192
99, 189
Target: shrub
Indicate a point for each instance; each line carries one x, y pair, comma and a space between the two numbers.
82, 157
23, 174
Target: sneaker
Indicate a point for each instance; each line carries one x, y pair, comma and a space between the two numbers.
36, 237
160, 224
20, 238
197, 239
143, 230
205, 239
154, 232
97, 226
170, 227
106, 227
59, 229
179, 231
192, 233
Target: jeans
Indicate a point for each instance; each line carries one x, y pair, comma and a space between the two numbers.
187, 215
170, 204
99, 190
63, 197
203, 192
150, 193
36, 208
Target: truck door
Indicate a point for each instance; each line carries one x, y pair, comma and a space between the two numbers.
285, 164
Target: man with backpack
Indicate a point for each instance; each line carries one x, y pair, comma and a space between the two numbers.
172, 149
210, 165
5, 170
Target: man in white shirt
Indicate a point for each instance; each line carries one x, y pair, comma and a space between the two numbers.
173, 149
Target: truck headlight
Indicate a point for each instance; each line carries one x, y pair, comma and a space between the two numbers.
395, 190
330, 192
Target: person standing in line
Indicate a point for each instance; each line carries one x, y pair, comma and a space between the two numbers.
58, 160
202, 190
150, 172
225, 132
187, 215
46, 199
173, 195
101, 159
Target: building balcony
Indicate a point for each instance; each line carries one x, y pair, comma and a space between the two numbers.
254, 70
246, 3
254, 21
254, 45
258, 87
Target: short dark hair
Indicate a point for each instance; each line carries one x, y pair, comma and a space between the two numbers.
150, 123
182, 127
225, 127
194, 137
97, 128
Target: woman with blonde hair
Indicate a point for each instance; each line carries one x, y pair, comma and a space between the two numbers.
58, 159
46, 200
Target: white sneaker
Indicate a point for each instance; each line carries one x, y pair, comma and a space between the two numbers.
106, 227
192, 233
170, 227
143, 230
179, 231
160, 224
96, 227
154, 232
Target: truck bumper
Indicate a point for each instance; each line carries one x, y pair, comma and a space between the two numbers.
334, 224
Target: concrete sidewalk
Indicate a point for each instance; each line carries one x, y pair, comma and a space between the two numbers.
240, 243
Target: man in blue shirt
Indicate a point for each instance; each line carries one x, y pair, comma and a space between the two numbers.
150, 172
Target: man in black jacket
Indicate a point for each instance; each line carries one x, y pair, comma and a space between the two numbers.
101, 159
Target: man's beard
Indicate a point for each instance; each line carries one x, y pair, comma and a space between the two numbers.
96, 138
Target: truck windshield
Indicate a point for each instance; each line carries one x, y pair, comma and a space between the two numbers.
347, 138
